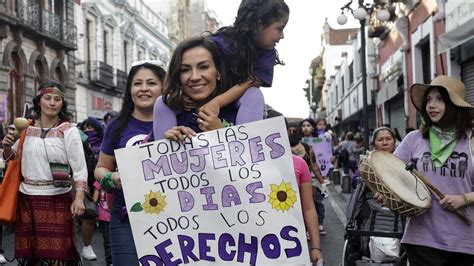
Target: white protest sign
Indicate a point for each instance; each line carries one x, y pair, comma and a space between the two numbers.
227, 196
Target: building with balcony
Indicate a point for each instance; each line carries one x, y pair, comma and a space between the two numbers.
341, 94
37, 43
458, 41
112, 34
411, 47
408, 55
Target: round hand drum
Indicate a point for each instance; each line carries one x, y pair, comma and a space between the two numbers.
403, 192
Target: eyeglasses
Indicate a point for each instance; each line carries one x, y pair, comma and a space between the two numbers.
153, 62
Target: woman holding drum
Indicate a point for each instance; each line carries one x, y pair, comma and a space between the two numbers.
438, 236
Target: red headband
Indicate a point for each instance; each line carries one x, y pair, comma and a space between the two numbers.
51, 90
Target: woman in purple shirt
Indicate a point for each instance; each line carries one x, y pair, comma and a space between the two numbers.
130, 127
438, 236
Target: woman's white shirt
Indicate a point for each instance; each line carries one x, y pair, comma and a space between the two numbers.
63, 144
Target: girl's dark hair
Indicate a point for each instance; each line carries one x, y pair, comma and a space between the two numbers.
251, 16
349, 135
397, 134
294, 138
109, 115
454, 116
121, 120
324, 120
64, 114
309, 120
173, 90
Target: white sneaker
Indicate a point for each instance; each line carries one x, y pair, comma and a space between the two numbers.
88, 253
2, 259
322, 231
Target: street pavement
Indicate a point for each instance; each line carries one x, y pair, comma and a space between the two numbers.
331, 244
334, 224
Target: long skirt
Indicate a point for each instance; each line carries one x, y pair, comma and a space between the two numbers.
45, 229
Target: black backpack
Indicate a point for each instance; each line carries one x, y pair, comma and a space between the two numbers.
343, 156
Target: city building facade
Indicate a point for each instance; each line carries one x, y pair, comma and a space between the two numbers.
112, 35
423, 39
458, 42
37, 43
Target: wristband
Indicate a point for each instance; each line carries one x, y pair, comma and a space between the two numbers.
106, 182
315, 248
466, 200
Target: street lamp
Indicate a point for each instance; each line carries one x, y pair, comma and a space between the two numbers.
361, 14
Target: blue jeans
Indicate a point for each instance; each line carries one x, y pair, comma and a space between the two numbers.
320, 209
121, 240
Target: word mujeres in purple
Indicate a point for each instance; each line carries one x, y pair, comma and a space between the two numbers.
238, 149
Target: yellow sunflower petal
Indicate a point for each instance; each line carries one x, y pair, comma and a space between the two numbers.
273, 194
275, 204
274, 187
282, 187
290, 193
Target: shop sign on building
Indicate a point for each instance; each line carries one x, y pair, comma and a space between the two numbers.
98, 104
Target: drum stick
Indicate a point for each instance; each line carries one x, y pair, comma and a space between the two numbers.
437, 192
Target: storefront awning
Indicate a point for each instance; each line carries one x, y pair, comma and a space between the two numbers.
456, 37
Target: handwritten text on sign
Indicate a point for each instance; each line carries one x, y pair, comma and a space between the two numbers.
225, 196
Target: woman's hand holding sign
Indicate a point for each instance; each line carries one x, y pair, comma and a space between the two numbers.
179, 133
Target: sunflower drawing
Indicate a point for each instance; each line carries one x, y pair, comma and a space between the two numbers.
282, 197
154, 203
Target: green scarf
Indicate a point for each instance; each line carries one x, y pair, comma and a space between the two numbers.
442, 144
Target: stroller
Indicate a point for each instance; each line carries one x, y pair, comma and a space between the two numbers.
372, 232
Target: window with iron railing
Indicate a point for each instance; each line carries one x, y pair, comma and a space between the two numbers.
47, 19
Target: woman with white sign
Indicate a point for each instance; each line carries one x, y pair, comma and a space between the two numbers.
132, 125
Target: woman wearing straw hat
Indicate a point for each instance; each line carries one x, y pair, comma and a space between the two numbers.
438, 236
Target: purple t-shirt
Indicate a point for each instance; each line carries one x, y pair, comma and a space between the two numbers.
133, 134
262, 67
437, 227
188, 118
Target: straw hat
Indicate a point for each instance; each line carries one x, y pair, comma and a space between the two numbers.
454, 87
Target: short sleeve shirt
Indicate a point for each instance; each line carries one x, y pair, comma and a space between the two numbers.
263, 65
301, 170
437, 227
134, 133
189, 118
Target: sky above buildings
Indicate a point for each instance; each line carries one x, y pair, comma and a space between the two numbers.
301, 44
